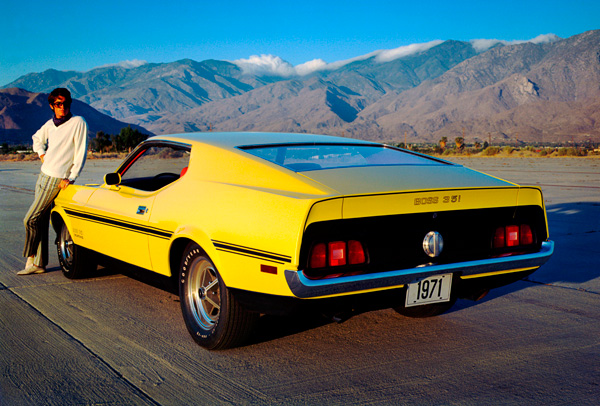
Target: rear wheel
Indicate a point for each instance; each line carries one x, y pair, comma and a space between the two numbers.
212, 315
76, 262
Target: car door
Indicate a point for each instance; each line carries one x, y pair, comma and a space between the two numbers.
119, 213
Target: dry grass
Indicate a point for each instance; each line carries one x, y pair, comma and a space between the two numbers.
34, 157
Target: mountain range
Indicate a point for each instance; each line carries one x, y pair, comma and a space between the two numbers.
22, 113
546, 91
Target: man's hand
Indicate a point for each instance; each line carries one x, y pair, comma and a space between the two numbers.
64, 183
42, 157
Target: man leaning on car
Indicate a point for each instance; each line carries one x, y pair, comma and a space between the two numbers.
61, 144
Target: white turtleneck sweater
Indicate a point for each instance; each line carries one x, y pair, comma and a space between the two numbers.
64, 147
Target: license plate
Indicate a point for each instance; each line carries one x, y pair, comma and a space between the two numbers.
432, 289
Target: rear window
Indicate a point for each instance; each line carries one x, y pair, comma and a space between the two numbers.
310, 157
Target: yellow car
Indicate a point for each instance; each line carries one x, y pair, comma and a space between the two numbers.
253, 223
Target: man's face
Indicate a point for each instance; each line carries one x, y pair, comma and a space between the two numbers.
59, 107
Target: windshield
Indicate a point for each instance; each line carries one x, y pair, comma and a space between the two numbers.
308, 157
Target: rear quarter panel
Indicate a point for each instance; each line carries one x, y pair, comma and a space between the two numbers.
244, 214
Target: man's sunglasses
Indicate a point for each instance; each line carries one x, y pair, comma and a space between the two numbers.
58, 105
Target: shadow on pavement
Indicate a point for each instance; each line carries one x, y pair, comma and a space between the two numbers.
575, 230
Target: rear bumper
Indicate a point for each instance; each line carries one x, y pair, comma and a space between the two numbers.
303, 287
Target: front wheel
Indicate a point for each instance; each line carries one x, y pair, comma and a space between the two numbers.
76, 262
212, 315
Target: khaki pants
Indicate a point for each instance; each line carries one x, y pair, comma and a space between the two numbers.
37, 219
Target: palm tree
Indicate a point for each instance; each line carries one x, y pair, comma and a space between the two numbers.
443, 142
460, 142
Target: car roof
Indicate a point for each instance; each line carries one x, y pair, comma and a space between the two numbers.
238, 139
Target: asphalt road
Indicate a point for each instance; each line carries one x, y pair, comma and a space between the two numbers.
119, 338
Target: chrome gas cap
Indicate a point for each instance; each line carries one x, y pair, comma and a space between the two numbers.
433, 244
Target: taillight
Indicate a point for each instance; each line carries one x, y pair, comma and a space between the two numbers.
526, 235
356, 252
337, 253
499, 240
512, 236
318, 257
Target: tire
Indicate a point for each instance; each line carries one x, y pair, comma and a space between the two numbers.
76, 262
213, 317
429, 310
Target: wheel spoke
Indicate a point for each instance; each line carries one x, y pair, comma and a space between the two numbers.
216, 306
210, 285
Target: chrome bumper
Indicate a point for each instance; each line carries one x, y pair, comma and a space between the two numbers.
303, 287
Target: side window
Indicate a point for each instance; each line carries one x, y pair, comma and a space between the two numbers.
156, 167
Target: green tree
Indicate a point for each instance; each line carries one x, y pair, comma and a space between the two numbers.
460, 142
130, 138
117, 143
102, 142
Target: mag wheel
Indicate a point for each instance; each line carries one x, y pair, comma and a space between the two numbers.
76, 262
212, 315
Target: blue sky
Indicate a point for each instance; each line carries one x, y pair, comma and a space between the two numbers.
36, 35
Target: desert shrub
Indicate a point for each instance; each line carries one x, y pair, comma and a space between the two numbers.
508, 150
543, 152
490, 151
576, 152
437, 149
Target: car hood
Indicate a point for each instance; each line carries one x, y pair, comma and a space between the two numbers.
385, 179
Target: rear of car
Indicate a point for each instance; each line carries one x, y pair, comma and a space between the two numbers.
421, 234
408, 231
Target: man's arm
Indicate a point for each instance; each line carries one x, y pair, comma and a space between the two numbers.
80, 145
40, 142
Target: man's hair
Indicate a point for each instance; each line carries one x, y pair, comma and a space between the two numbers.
61, 91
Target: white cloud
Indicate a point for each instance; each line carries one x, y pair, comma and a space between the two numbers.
310, 67
274, 65
482, 45
134, 63
266, 65
545, 39
339, 64
407, 50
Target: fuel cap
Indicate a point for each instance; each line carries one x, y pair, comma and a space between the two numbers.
433, 244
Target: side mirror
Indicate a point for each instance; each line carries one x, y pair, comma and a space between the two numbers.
113, 178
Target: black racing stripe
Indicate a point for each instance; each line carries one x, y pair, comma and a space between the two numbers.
251, 252
250, 256
155, 232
